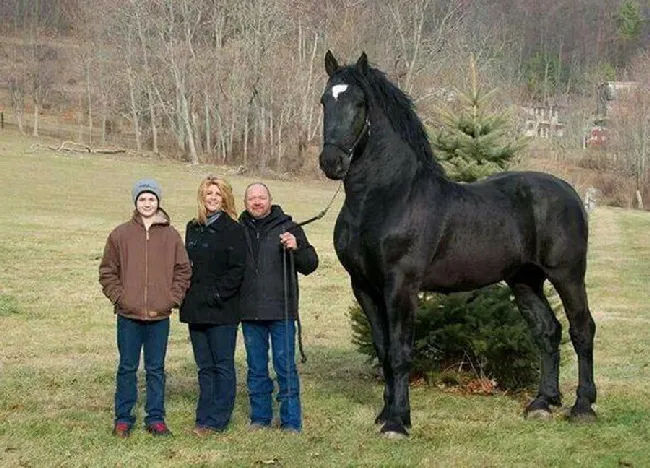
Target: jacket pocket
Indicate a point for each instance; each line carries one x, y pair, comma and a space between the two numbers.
159, 300
129, 302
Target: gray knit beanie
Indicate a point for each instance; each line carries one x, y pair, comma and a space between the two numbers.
146, 185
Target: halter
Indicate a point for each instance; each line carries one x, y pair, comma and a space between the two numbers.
350, 152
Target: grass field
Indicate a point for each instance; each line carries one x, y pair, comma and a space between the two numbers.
58, 352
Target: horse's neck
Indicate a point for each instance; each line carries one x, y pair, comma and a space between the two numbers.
386, 160
387, 171
383, 172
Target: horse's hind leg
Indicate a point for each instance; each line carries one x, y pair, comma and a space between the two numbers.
547, 333
372, 306
582, 330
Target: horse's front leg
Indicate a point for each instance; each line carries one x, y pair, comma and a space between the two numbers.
371, 303
401, 297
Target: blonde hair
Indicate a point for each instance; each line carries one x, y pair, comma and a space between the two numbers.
227, 198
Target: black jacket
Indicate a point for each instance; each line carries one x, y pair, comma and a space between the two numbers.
218, 255
262, 292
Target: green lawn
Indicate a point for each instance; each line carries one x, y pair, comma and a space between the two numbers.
58, 353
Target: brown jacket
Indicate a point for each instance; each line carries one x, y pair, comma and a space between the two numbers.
145, 273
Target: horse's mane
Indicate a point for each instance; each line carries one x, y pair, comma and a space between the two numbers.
398, 108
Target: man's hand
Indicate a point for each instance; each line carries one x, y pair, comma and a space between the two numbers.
289, 241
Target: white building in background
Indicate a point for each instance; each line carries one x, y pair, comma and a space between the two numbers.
544, 121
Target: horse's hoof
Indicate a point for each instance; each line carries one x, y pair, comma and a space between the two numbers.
394, 431
539, 415
394, 435
539, 410
586, 416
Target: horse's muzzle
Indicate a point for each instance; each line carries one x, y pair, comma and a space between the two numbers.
334, 162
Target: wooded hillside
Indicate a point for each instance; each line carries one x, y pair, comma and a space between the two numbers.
238, 81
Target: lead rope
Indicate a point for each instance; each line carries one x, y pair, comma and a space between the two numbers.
290, 277
289, 366
292, 272
322, 213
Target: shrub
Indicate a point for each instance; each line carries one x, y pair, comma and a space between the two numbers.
480, 331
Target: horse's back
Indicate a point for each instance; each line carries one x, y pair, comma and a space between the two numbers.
493, 228
551, 198
560, 230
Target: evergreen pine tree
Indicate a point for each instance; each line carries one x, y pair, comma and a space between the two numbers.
474, 142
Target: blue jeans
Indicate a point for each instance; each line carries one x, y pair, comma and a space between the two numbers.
214, 353
134, 336
260, 386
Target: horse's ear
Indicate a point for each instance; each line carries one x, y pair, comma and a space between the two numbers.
331, 65
362, 63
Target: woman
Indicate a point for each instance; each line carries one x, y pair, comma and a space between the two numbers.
145, 273
217, 251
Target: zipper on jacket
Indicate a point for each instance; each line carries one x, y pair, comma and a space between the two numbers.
257, 263
146, 273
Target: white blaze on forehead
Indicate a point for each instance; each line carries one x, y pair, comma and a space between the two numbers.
338, 89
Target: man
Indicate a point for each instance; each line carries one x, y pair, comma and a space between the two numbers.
269, 304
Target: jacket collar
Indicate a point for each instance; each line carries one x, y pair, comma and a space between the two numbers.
161, 218
219, 223
276, 216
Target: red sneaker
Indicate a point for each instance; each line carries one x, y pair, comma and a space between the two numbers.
122, 430
158, 429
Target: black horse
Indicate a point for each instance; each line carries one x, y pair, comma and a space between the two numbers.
405, 228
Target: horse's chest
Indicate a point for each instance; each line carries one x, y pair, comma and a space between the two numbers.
355, 248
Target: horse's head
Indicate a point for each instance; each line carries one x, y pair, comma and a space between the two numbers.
345, 117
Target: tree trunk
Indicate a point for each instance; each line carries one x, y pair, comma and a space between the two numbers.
189, 133
280, 149
208, 130
104, 108
20, 120
271, 146
154, 128
197, 133
261, 153
90, 103
245, 149
134, 109
35, 132
220, 131
178, 123
152, 109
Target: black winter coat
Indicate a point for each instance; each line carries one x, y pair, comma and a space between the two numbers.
217, 253
262, 292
